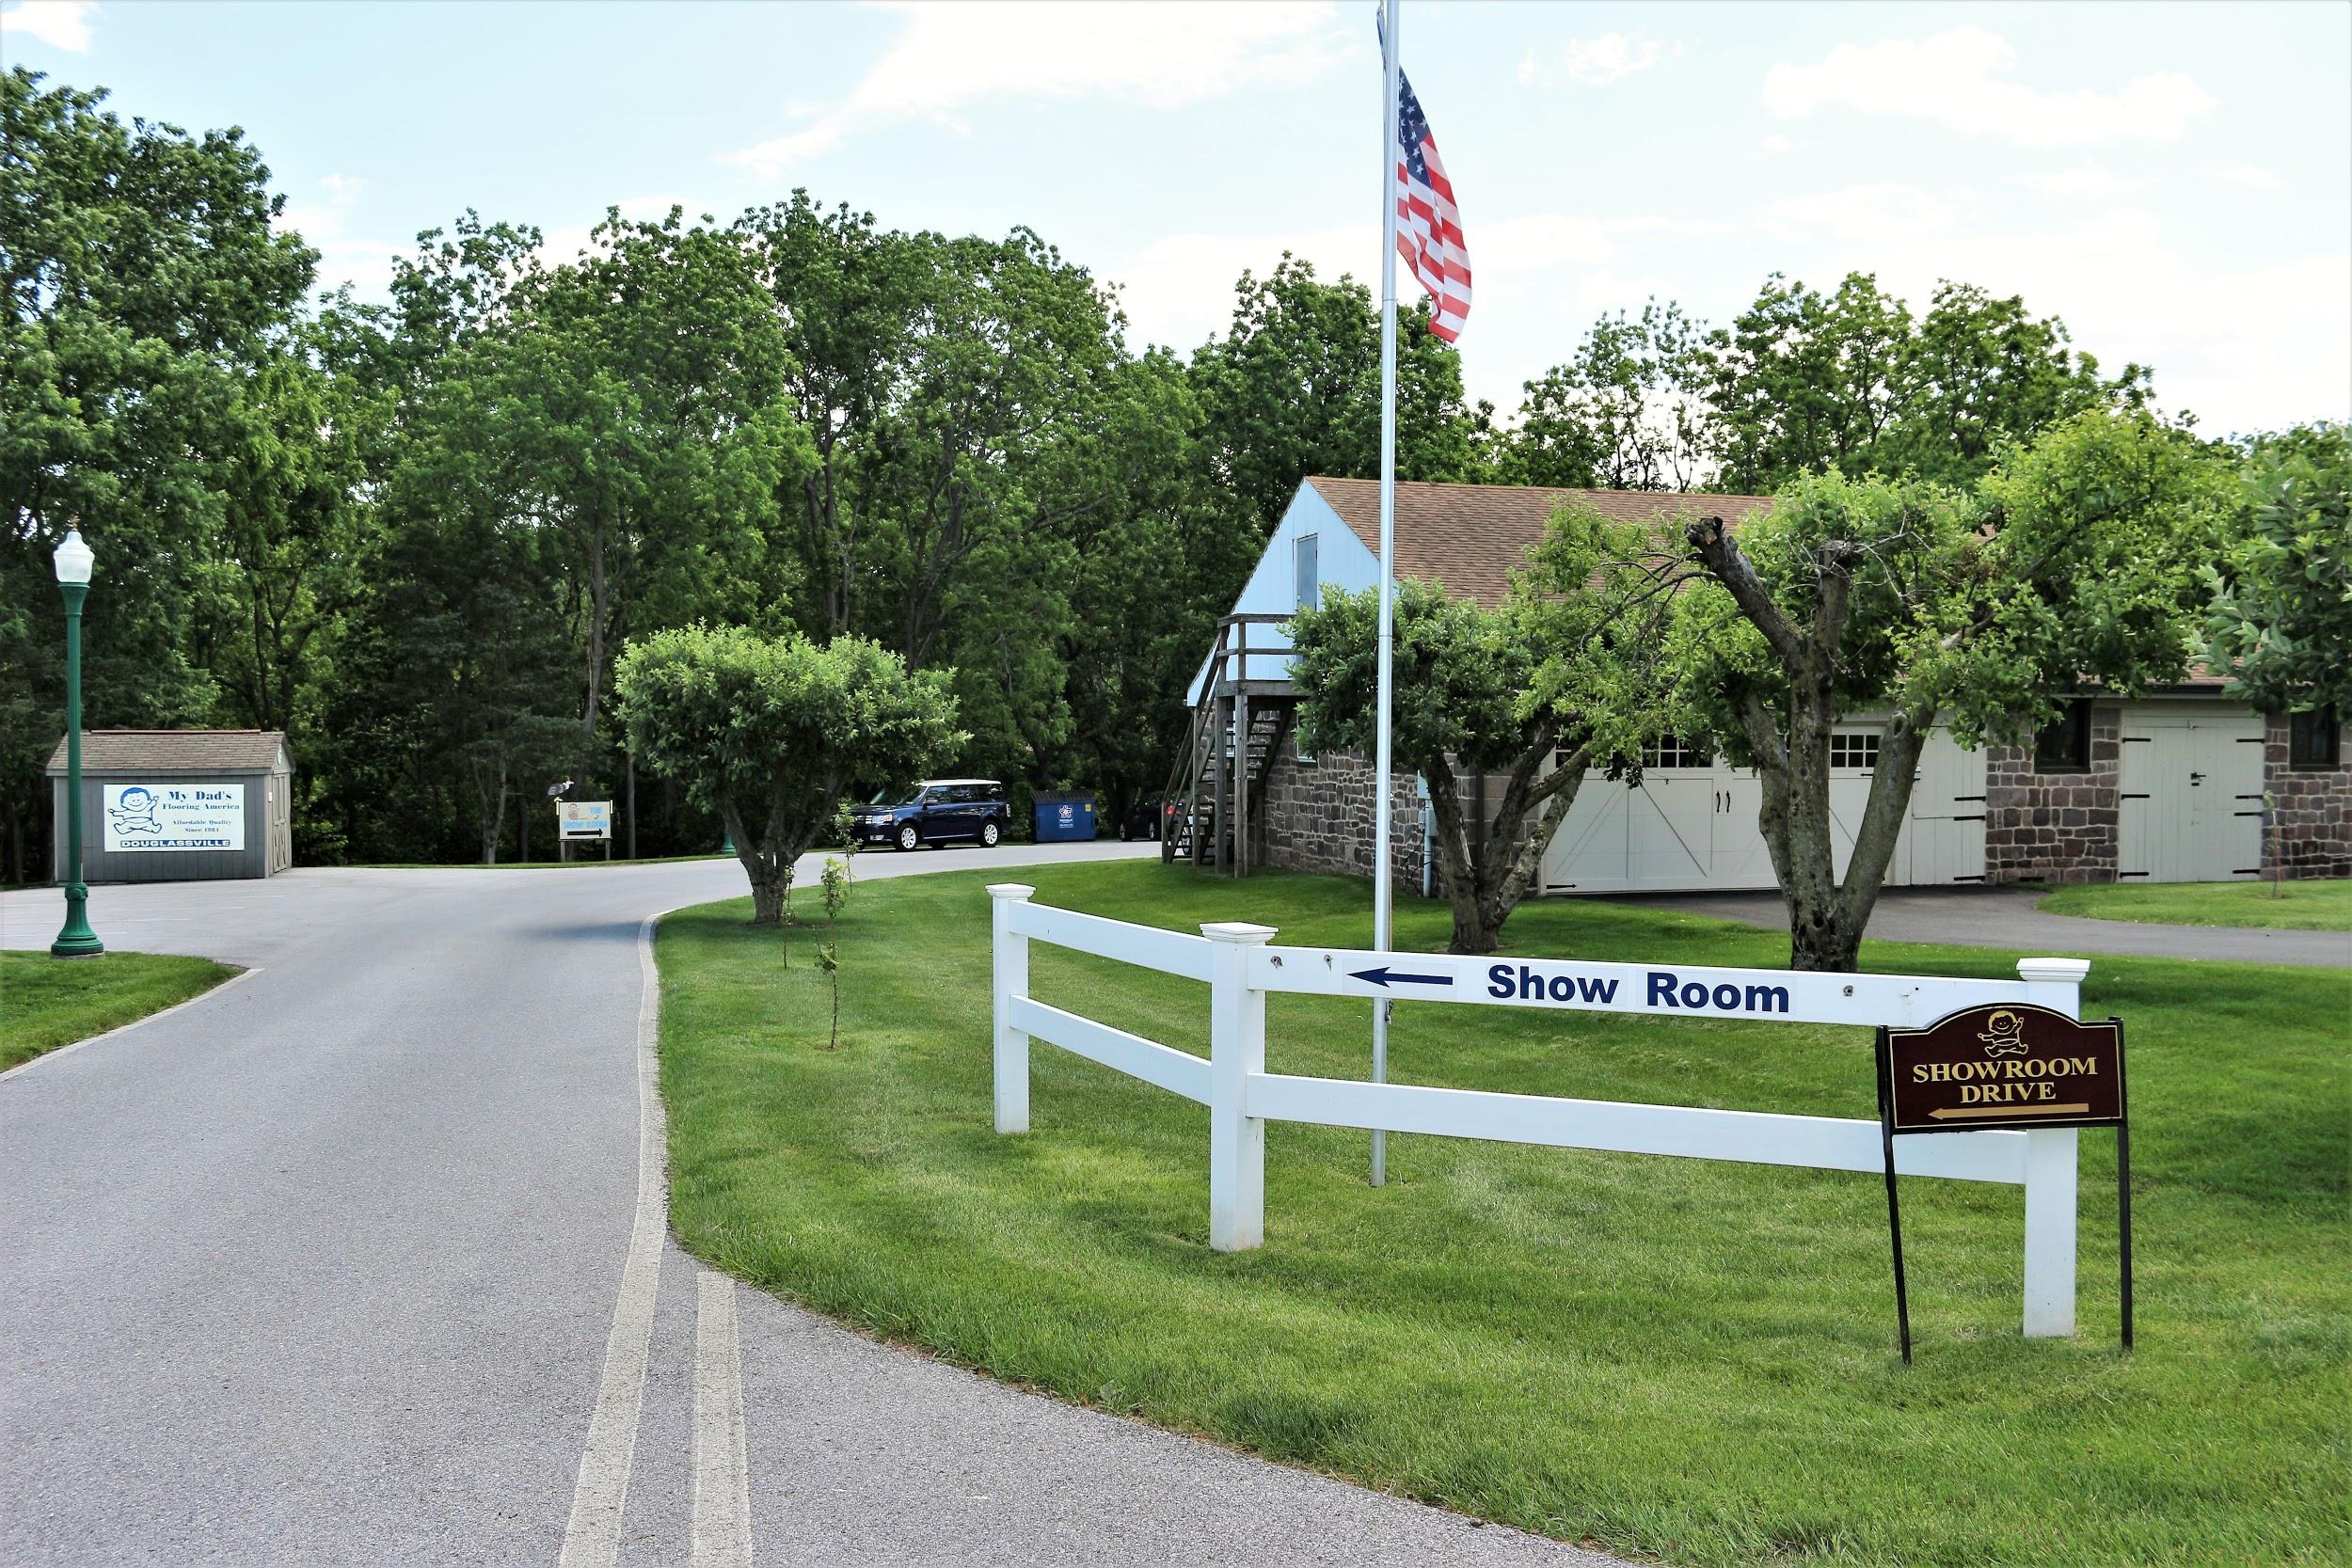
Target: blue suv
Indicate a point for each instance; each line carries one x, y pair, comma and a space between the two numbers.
938, 811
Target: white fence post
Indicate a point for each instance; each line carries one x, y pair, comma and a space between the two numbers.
2052, 1175
1012, 952
1236, 1049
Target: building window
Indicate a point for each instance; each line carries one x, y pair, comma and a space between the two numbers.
1304, 552
2314, 739
1675, 751
2063, 744
1853, 749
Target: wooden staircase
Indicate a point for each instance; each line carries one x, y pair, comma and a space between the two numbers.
1245, 710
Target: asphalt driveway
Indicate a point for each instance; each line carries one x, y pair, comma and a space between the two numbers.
362, 1258
2006, 917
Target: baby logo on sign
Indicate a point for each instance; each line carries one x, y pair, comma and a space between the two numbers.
2004, 1067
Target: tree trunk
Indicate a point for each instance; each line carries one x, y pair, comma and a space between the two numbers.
768, 880
1483, 881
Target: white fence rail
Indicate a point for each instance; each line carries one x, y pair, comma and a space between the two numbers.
1240, 968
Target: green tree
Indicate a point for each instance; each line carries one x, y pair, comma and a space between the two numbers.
628, 408
775, 732
1802, 382
2070, 561
1293, 389
143, 282
973, 419
2280, 619
298, 534
1567, 673
1625, 414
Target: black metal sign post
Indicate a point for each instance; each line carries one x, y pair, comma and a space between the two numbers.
1894, 1208
2016, 1067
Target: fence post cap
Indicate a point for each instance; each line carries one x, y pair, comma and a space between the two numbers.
2053, 969
1010, 889
1236, 930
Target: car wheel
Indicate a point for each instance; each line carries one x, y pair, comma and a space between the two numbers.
910, 837
989, 835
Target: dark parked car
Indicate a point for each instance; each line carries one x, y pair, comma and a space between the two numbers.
938, 811
1145, 818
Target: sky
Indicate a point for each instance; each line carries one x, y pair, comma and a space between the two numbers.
2174, 180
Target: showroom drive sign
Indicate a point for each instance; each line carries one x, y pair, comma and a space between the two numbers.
173, 817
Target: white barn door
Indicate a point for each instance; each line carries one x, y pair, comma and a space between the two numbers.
1947, 825
2189, 797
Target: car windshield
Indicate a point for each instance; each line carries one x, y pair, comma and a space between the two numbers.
898, 794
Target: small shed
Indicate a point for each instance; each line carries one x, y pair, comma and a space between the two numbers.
178, 805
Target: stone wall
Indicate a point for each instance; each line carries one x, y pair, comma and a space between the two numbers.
2054, 827
1317, 816
2312, 809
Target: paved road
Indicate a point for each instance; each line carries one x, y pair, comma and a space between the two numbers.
362, 1258
2006, 917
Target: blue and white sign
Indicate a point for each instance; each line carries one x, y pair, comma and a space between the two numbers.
585, 819
173, 817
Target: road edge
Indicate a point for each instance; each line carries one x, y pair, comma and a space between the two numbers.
71, 1046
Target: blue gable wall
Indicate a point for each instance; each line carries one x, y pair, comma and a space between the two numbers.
1341, 561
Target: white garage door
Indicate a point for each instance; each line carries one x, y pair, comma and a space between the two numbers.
2189, 797
1692, 822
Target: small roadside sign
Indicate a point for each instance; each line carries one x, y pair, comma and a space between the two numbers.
2010, 1065
585, 819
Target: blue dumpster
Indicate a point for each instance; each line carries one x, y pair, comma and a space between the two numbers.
1064, 818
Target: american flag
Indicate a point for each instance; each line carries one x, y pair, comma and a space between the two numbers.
1428, 224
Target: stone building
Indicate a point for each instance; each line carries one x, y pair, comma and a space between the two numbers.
2181, 784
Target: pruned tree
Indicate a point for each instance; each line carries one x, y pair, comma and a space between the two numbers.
1564, 675
773, 732
1920, 605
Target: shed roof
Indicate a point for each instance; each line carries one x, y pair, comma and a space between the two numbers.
1472, 537
174, 752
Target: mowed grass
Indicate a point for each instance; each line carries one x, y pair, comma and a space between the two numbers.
2300, 906
1681, 1360
46, 1002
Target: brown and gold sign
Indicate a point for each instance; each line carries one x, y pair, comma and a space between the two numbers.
2005, 1066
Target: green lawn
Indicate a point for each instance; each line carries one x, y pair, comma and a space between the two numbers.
2306, 906
46, 1002
1681, 1360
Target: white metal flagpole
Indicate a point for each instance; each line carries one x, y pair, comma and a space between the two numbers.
1383, 890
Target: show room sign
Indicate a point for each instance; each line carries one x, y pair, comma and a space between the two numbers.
173, 817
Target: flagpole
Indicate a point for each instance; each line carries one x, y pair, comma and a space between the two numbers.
1383, 889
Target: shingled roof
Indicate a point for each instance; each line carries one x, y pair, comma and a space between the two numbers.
1471, 537
169, 752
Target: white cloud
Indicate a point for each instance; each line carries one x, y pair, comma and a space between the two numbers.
1956, 78
344, 257
2249, 174
1593, 62
1775, 145
1179, 290
59, 24
1862, 214
2086, 183
1160, 55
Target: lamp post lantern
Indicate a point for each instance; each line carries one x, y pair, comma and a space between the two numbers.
76, 940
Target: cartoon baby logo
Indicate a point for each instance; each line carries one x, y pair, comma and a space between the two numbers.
2005, 1034
133, 813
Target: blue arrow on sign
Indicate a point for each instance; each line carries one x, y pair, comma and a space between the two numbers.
1383, 976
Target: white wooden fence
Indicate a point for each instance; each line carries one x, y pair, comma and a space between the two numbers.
1240, 965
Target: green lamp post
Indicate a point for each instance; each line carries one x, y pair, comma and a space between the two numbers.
77, 940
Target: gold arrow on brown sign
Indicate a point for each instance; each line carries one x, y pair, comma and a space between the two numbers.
1944, 1113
